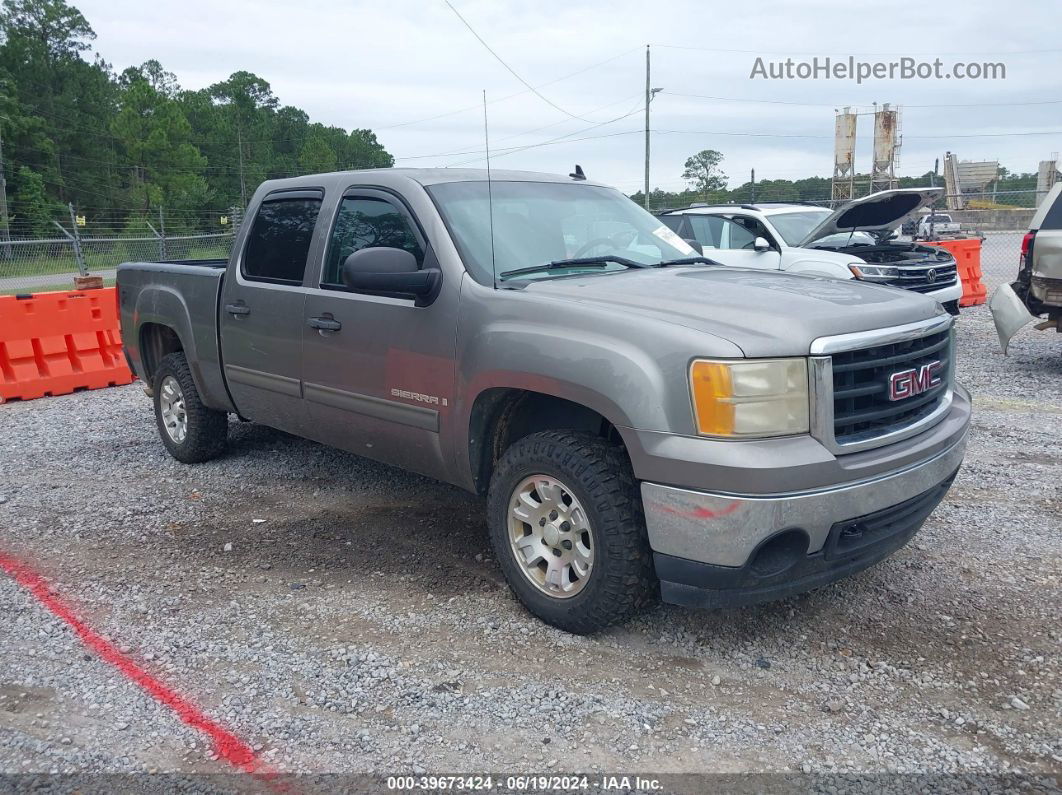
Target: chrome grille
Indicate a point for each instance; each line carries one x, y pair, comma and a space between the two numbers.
861, 404
919, 279
852, 408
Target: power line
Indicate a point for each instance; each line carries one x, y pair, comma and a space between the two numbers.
559, 139
821, 53
512, 71
842, 104
526, 132
509, 96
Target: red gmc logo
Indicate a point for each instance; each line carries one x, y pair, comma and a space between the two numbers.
908, 383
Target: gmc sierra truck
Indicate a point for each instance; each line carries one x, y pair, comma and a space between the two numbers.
641, 420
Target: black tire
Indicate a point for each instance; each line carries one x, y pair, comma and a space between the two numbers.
207, 429
598, 474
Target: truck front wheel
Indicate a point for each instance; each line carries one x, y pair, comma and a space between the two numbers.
567, 529
191, 432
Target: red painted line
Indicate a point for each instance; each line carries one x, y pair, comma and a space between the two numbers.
227, 745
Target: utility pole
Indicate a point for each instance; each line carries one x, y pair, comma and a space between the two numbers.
243, 183
648, 98
5, 231
753, 182
649, 94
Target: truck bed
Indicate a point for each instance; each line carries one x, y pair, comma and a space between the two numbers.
182, 295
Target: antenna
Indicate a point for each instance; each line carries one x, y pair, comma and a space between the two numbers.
490, 193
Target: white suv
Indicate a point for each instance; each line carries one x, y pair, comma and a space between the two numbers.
851, 242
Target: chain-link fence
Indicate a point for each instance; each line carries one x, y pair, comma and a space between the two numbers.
43, 264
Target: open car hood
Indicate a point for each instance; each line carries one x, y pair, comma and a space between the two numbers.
884, 210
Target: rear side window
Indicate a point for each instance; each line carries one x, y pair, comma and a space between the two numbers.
367, 223
672, 222
1053, 219
279, 240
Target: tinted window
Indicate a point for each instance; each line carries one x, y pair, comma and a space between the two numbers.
1053, 218
708, 229
745, 230
280, 240
368, 223
715, 231
672, 222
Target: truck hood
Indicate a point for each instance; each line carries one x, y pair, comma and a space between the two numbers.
764, 314
878, 211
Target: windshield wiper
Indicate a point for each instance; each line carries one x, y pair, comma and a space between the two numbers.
690, 261
578, 262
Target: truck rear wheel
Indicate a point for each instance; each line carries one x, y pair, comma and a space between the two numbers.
191, 432
567, 529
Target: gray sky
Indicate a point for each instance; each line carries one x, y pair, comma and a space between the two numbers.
383, 64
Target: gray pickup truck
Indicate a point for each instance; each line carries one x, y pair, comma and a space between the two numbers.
641, 420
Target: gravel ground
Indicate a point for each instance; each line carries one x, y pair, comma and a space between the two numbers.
344, 616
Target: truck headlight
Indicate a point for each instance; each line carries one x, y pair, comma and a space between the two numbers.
750, 398
873, 273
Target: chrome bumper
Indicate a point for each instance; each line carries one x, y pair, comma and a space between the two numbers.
724, 529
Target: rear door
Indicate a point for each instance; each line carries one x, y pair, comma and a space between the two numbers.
261, 313
378, 370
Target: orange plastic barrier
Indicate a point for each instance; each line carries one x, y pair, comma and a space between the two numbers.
967, 253
57, 343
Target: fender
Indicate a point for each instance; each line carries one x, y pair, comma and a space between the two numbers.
166, 306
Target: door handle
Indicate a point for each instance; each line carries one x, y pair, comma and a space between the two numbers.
324, 323
237, 309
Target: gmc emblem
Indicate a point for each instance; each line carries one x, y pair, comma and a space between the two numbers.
908, 383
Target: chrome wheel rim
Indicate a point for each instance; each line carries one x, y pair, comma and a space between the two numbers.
171, 405
549, 533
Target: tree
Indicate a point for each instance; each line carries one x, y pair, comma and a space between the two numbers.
364, 151
702, 172
35, 210
317, 155
48, 28
164, 167
117, 145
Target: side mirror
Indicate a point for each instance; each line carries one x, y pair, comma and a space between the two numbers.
761, 244
696, 246
387, 270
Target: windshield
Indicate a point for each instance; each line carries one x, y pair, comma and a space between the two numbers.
536, 223
794, 227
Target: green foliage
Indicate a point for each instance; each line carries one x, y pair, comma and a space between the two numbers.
702, 172
35, 209
135, 141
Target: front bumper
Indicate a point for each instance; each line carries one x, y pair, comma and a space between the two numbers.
727, 549
953, 292
783, 569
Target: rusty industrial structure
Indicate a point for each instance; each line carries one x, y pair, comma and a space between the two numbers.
887, 140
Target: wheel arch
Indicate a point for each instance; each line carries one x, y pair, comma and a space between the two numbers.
156, 340
501, 416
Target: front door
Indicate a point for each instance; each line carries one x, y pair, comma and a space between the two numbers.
730, 241
378, 370
261, 312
